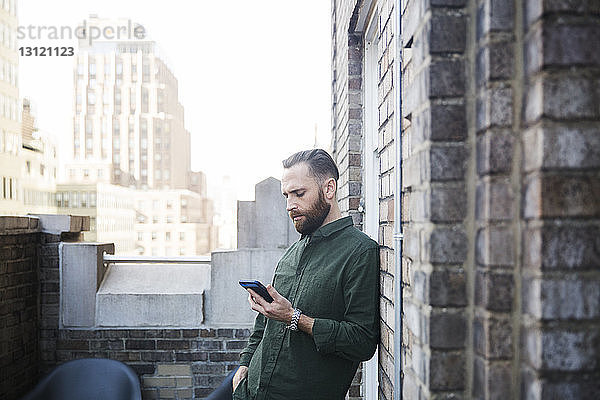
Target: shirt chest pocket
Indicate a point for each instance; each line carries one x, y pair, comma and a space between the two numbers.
317, 298
284, 280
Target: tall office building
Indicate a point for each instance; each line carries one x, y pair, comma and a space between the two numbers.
10, 127
128, 127
129, 143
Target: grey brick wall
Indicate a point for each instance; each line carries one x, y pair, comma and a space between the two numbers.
434, 197
386, 90
560, 328
347, 53
501, 179
19, 238
496, 212
171, 363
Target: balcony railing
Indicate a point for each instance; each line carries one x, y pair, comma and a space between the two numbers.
119, 259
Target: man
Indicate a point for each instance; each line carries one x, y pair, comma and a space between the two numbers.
324, 318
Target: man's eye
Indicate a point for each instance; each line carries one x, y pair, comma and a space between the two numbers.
301, 194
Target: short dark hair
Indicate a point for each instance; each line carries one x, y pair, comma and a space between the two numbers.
320, 163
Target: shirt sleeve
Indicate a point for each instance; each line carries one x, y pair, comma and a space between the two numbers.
357, 335
253, 341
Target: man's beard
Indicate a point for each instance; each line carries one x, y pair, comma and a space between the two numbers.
313, 217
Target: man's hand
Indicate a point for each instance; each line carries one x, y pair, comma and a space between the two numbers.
239, 375
280, 309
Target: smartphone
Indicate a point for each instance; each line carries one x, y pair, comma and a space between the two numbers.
258, 287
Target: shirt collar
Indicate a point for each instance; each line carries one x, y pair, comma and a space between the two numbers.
331, 227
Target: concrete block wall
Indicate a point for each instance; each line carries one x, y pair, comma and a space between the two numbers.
264, 222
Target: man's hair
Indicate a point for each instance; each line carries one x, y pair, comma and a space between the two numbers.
320, 164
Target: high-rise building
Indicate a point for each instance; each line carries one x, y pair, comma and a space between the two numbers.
129, 139
10, 127
128, 126
38, 163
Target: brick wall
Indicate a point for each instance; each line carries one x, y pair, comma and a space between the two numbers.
348, 149
19, 239
560, 327
347, 107
434, 198
496, 224
171, 363
386, 92
501, 181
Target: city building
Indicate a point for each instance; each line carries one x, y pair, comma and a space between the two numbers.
38, 159
173, 223
128, 131
10, 127
110, 208
128, 125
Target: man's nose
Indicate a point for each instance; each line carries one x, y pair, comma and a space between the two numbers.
290, 204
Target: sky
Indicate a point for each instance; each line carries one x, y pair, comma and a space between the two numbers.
254, 76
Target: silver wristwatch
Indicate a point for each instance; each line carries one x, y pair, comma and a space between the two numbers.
293, 326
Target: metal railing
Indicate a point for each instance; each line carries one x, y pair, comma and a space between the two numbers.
118, 259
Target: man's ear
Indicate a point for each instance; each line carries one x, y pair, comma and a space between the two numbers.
330, 187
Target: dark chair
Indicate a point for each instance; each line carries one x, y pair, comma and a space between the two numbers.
88, 379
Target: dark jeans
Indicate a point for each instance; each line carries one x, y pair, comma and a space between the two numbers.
225, 391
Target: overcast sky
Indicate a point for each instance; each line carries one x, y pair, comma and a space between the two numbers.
254, 76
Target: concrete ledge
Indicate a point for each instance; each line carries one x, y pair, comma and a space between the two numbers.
146, 295
81, 270
56, 224
227, 301
15, 225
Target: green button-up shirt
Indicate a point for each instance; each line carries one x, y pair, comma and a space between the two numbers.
331, 275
